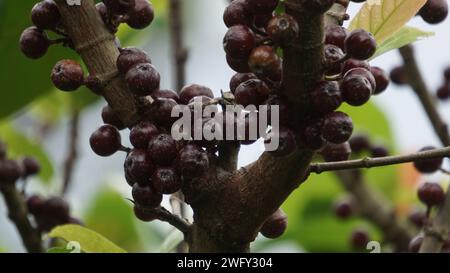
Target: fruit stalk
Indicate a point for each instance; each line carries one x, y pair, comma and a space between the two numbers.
18, 214
97, 47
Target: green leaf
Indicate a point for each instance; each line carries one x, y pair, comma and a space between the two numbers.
89, 240
59, 250
111, 215
405, 36
21, 145
383, 18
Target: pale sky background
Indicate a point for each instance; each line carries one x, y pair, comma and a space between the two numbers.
207, 66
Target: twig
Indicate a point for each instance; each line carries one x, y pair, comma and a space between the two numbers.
174, 220
379, 161
372, 204
437, 231
71, 157
417, 82
17, 212
374, 207
180, 53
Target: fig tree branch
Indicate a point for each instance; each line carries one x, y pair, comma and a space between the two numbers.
373, 206
379, 161
17, 212
98, 50
71, 157
437, 232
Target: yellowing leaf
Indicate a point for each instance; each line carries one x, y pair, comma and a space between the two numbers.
89, 240
383, 18
404, 36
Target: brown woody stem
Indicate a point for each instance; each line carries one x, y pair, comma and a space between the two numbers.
18, 214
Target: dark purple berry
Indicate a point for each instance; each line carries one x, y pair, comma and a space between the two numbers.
10, 171
105, 141
434, 11
141, 15
326, 97
238, 64
359, 71
143, 79
360, 44
165, 180
119, 6
354, 63
311, 135
283, 28
239, 78
130, 57
378, 151
335, 35
356, 90
343, 209
58, 208
67, 75
166, 94
161, 112
381, 79
145, 196
34, 43
337, 127
193, 162
264, 61
275, 225
336, 152
162, 149
35, 204
418, 218
139, 166
333, 57
239, 41
398, 75
30, 166
194, 90
251, 92
359, 143
359, 239
45, 15
237, 13
431, 194
142, 133
443, 93
110, 117
428, 165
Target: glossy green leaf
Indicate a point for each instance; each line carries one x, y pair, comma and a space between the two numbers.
405, 36
112, 215
383, 18
89, 240
20, 145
